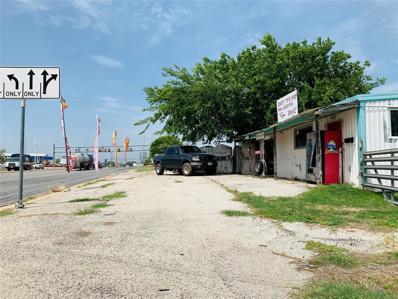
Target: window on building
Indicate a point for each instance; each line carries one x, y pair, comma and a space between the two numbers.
394, 123
300, 136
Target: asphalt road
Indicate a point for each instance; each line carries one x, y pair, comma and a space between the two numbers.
40, 181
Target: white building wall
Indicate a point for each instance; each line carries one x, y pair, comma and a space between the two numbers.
350, 160
378, 132
378, 125
291, 162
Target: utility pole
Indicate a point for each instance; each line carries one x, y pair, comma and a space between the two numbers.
35, 150
54, 155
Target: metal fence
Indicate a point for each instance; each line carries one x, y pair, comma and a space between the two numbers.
380, 171
224, 157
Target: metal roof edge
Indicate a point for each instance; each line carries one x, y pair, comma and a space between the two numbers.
309, 114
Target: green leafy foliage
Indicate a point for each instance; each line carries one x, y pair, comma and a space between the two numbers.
230, 96
159, 145
2, 155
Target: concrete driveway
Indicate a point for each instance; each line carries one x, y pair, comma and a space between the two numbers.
167, 239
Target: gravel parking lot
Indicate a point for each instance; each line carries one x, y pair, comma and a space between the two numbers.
166, 239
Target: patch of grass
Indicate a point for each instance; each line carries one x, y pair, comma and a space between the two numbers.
92, 209
84, 199
90, 183
322, 248
234, 213
5, 213
332, 205
83, 212
341, 274
99, 206
107, 185
341, 290
341, 260
146, 168
331, 255
115, 195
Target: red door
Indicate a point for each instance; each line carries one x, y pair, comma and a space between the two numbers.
331, 151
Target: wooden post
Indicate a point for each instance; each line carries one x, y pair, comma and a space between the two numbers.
234, 159
275, 158
319, 174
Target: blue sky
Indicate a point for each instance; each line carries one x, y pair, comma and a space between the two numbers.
109, 51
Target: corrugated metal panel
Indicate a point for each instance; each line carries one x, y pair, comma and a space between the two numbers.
378, 130
378, 126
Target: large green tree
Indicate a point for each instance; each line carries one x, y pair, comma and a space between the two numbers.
2, 155
159, 145
230, 96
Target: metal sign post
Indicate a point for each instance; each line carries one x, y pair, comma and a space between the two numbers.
21, 83
20, 203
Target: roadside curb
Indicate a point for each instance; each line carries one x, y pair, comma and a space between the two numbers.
40, 196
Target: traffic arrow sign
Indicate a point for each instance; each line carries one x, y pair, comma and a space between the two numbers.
31, 74
29, 83
47, 81
11, 77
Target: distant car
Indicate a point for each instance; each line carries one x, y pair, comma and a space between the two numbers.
38, 165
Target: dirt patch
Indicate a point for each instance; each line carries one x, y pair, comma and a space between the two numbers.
83, 233
109, 223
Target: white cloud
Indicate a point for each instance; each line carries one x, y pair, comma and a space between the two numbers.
107, 61
389, 87
158, 19
92, 12
32, 5
112, 105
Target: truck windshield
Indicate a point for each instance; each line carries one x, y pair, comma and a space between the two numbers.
13, 159
190, 149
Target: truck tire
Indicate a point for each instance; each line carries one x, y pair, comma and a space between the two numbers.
180, 171
187, 169
159, 169
9, 169
259, 167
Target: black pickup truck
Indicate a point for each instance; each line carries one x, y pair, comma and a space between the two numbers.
185, 159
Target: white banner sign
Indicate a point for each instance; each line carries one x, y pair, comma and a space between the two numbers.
287, 106
29, 83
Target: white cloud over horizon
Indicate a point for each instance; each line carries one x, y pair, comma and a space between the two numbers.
387, 88
107, 61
